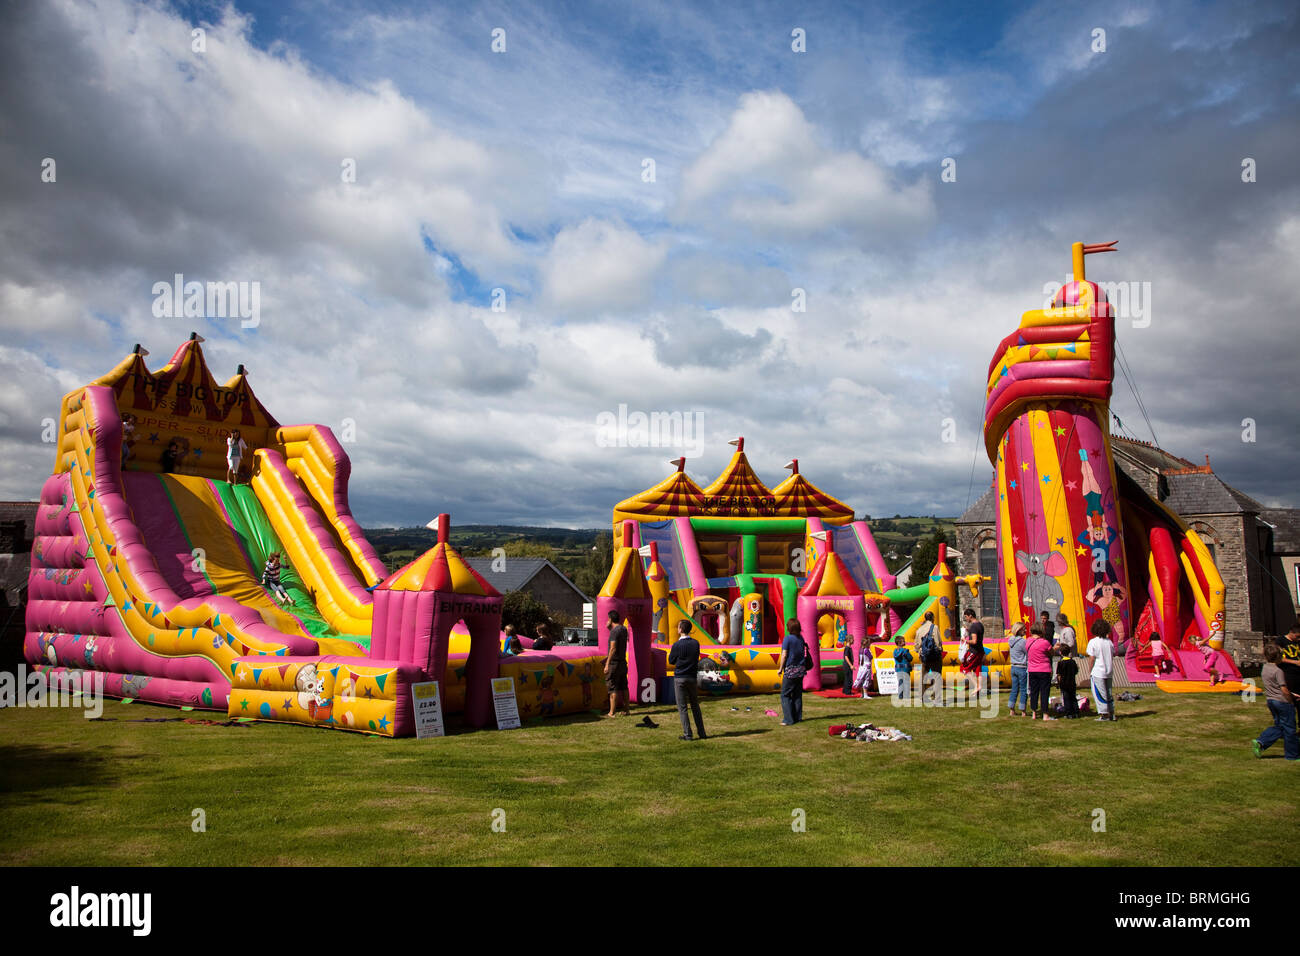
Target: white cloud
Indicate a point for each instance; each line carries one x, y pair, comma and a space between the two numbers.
599, 266
769, 171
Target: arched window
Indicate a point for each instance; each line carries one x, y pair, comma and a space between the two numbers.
986, 547
1207, 536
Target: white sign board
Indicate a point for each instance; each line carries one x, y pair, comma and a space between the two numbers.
886, 676
428, 710
505, 703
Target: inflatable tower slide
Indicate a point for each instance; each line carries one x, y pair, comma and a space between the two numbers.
1075, 535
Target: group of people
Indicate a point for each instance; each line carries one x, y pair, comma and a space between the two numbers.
1030, 655
513, 644
1030, 652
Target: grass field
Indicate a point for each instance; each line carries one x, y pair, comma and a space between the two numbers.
1175, 777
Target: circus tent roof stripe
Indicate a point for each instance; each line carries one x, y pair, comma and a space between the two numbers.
679, 496
676, 495
738, 479
441, 568
797, 497
140, 389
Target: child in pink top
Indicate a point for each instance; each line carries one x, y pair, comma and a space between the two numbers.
1159, 656
1212, 661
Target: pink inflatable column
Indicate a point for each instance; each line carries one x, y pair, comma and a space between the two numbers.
627, 592
416, 609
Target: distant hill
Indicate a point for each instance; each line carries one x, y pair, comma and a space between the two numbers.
570, 549
572, 546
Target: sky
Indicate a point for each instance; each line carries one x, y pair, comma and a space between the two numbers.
806, 225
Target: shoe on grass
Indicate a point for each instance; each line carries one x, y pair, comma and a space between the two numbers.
1256, 749
684, 737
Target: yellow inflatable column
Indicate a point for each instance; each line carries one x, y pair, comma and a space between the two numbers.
943, 586
657, 578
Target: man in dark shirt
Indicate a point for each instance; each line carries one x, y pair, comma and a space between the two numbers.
1290, 648
616, 667
1049, 627
685, 660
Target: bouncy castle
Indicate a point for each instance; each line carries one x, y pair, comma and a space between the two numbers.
1075, 535
739, 560
147, 566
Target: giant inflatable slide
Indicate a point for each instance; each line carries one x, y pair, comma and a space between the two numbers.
1074, 534
147, 567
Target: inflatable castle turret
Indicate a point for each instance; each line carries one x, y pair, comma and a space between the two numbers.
830, 589
627, 592
416, 608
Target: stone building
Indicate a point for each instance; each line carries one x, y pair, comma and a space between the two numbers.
17, 528
1256, 549
537, 576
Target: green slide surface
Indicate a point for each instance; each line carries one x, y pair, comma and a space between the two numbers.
250, 522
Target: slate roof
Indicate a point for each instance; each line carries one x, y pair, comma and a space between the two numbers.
1286, 529
1147, 454
517, 573
1206, 494
981, 512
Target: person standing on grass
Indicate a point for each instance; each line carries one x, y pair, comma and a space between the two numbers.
1281, 704
792, 665
847, 686
903, 668
1101, 654
928, 649
1049, 629
1068, 672
1018, 657
1064, 633
972, 660
685, 661
1289, 647
616, 667
1039, 651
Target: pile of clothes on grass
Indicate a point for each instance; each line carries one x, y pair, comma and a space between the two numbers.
865, 732
1057, 706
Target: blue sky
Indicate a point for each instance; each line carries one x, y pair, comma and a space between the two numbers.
775, 171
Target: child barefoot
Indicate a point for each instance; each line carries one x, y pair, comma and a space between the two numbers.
1213, 659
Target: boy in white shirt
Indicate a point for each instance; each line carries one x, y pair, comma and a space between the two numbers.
1101, 652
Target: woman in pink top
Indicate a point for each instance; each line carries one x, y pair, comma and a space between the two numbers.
1040, 672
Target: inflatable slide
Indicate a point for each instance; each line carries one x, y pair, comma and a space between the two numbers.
1074, 535
147, 565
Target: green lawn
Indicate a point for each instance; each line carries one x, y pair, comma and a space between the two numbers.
1175, 778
